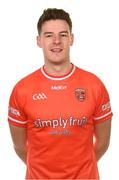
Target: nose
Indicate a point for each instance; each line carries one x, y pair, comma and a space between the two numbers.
56, 39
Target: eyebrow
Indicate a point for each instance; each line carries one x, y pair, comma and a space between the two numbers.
45, 33
48, 33
64, 32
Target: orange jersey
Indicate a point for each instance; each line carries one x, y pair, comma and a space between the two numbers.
59, 114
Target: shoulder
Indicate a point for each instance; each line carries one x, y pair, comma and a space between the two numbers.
93, 84
88, 77
27, 82
90, 81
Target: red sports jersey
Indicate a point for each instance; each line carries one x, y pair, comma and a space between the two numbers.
59, 114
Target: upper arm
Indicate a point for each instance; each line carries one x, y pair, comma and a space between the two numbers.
102, 111
102, 132
19, 136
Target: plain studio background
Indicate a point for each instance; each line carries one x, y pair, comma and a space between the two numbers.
96, 48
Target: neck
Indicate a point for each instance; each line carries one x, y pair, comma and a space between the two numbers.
57, 69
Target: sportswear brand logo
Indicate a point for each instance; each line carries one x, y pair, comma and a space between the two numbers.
59, 87
80, 94
39, 96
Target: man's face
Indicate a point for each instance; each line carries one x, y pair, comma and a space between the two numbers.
55, 40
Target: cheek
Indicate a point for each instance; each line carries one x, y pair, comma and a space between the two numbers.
67, 45
46, 48
47, 44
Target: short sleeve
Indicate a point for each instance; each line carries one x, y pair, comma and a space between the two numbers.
103, 108
16, 114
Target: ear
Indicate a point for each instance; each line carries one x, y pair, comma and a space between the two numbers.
72, 39
38, 39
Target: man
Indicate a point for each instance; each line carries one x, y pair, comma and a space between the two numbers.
60, 115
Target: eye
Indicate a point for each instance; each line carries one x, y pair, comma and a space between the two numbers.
64, 35
48, 35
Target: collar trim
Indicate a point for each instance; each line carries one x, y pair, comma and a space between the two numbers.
56, 78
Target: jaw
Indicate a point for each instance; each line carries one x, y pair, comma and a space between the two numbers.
56, 59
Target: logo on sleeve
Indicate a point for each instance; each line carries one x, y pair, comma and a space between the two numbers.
106, 106
14, 111
80, 94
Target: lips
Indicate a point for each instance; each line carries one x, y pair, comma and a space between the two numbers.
56, 50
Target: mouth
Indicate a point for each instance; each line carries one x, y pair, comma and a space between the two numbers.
56, 50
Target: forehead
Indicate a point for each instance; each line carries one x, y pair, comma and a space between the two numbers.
55, 26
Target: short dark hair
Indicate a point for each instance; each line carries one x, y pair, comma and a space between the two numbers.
53, 14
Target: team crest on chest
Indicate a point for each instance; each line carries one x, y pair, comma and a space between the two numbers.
80, 94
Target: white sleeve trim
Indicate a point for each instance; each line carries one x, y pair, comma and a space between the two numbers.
17, 121
97, 118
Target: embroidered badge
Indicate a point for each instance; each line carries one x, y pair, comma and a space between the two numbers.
80, 94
